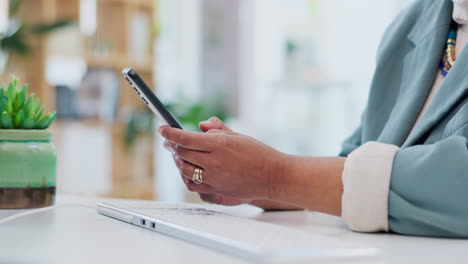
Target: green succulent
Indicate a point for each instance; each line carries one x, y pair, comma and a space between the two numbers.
18, 111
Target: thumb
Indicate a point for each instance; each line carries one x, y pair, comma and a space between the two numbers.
221, 200
213, 123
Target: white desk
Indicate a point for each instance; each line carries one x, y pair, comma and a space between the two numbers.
73, 232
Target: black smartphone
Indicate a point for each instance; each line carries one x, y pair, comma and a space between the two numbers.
149, 98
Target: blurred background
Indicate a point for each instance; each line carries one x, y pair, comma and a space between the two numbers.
295, 74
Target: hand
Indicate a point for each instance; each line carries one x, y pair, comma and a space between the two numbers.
205, 126
233, 165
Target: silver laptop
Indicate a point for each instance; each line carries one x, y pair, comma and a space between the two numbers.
242, 237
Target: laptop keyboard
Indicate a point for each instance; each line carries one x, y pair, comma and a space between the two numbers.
260, 234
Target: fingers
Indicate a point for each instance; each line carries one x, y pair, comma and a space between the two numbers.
199, 188
169, 145
210, 198
187, 169
213, 123
197, 158
188, 139
220, 199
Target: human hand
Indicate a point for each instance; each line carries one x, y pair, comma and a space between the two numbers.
205, 126
234, 165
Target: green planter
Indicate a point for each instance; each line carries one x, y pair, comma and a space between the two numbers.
27, 169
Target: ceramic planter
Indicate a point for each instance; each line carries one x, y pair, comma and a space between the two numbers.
27, 169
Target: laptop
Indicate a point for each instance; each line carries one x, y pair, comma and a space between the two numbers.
238, 236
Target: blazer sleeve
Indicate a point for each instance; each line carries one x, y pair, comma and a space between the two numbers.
429, 189
352, 143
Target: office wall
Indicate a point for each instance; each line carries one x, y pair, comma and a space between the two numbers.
307, 102
295, 73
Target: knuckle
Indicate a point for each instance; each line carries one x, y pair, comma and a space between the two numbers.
216, 164
191, 187
175, 149
168, 145
182, 153
171, 145
185, 180
215, 119
184, 140
214, 131
219, 139
179, 163
223, 140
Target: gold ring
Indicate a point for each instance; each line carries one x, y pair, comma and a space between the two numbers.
197, 177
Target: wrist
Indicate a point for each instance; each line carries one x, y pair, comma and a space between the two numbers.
277, 176
308, 182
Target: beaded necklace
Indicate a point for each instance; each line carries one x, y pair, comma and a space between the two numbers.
449, 56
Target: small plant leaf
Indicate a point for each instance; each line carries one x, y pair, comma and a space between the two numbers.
11, 91
46, 121
14, 80
9, 107
36, 105
28, 106
19, 119
43, 122
14, 88
51, 119
3, 103
25, 88
20, 99
29, 122
38, 116
5, 120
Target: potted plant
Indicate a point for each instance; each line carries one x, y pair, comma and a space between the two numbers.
27, 155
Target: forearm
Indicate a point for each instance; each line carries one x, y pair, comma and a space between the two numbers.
309, 182
269, 205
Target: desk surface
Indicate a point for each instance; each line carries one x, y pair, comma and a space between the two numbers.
72, 232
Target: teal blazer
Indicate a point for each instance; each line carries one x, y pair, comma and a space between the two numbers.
429, 182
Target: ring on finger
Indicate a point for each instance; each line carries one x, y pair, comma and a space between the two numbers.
197, 176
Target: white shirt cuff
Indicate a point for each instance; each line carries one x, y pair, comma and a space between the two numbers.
366, 183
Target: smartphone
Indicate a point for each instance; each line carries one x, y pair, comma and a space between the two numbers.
149, 98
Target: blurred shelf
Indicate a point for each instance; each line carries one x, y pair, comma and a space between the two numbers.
120, 171
131, 169
118, 62
135, 3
